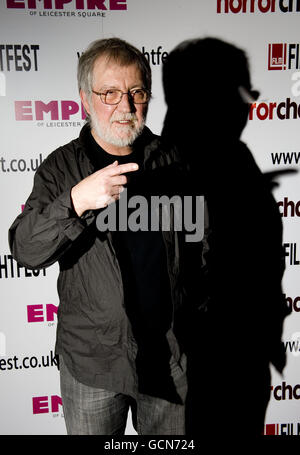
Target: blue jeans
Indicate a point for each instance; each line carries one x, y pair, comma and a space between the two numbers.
94, 411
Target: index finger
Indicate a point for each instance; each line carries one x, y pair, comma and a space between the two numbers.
122, 169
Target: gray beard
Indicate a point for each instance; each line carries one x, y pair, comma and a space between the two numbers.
112, 138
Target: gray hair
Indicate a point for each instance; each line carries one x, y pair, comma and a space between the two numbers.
114, 49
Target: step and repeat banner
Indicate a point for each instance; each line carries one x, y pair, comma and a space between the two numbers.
40, 42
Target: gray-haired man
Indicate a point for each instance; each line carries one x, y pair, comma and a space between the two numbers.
119, 291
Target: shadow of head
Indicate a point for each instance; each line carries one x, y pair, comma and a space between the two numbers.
207, 88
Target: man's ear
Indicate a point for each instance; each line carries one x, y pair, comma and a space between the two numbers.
84, 100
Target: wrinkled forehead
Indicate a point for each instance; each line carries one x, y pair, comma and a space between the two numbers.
106, 66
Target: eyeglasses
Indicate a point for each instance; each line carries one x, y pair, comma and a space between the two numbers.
114, 96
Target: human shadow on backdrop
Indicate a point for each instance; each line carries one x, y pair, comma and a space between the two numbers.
236, 304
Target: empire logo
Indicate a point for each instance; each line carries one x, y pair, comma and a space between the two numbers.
41, 313
46, 405
56, 110
77, 4
283, 56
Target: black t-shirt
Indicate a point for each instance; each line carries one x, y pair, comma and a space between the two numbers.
143, 262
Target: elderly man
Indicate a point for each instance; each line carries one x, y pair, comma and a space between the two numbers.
119, 291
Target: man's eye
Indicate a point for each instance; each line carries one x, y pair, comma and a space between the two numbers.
110, 92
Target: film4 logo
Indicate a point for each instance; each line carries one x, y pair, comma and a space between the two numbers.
283, 56
46, 404
277, 56
282, 429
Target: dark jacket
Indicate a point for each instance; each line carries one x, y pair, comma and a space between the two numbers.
94, 334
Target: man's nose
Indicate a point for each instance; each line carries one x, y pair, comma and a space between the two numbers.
126, 104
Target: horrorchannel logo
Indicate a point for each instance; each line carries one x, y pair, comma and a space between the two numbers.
284, 110
285, 391
293, 304
289, 208
138, 213
260, 6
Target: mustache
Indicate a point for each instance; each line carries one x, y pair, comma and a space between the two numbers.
126, 116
